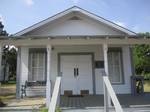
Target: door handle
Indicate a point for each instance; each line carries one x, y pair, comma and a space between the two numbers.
77, 71
74, 72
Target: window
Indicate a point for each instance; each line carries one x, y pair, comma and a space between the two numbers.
115, 65
37, 65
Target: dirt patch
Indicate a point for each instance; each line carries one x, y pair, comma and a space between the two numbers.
27, 102
7, 92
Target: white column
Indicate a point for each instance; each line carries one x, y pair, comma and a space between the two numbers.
105, 50
48, 83
18, 73
1, 77
107, 102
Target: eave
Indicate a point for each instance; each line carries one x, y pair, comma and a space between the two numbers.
72, 40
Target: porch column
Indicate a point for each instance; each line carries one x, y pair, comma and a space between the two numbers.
1, 77
48, 83
18, 73
132, 61
107, 102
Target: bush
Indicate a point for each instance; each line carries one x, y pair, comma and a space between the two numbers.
147, 76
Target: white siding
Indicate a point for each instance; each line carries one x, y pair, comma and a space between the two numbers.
97, 50
75, 27
121, 88
98, 53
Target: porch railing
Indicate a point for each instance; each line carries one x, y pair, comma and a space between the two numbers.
55, 96
109, 91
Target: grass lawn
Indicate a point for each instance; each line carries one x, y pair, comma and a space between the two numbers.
147, 86
46, 110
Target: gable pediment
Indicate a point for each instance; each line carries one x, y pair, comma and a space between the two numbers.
74, 22
75, 26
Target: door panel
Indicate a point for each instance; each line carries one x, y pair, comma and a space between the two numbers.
85, 74
67, 69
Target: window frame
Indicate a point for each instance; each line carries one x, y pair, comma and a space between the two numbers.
118, 49
36, 50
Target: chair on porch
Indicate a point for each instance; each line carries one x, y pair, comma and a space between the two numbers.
32, 86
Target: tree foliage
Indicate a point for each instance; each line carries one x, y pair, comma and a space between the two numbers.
9, 60
141, 54
2, 31
8, 57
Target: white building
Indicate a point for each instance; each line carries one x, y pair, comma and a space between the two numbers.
79, 46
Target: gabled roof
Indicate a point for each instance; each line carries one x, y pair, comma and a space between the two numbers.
75, 9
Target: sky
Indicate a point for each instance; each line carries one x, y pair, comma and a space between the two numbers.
19, 14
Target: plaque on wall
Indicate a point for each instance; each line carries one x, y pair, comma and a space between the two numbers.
99, 64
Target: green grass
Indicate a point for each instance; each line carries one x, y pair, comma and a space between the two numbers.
46, 110
43, 110
147, 86
8, 83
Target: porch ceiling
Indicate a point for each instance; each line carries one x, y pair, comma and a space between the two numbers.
73, 40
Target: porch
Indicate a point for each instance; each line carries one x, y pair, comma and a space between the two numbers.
90, 101
95, 103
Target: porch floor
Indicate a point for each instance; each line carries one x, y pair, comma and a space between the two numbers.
126, 100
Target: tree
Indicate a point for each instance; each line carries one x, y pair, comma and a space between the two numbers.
2, 31
141, 54
8, 57
9, 62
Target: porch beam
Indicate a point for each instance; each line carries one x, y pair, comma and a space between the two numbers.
48, 82
78, 41
107, 101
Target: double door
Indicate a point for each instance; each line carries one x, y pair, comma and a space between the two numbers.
76, 73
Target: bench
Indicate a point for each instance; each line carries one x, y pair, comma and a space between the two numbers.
32, 86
